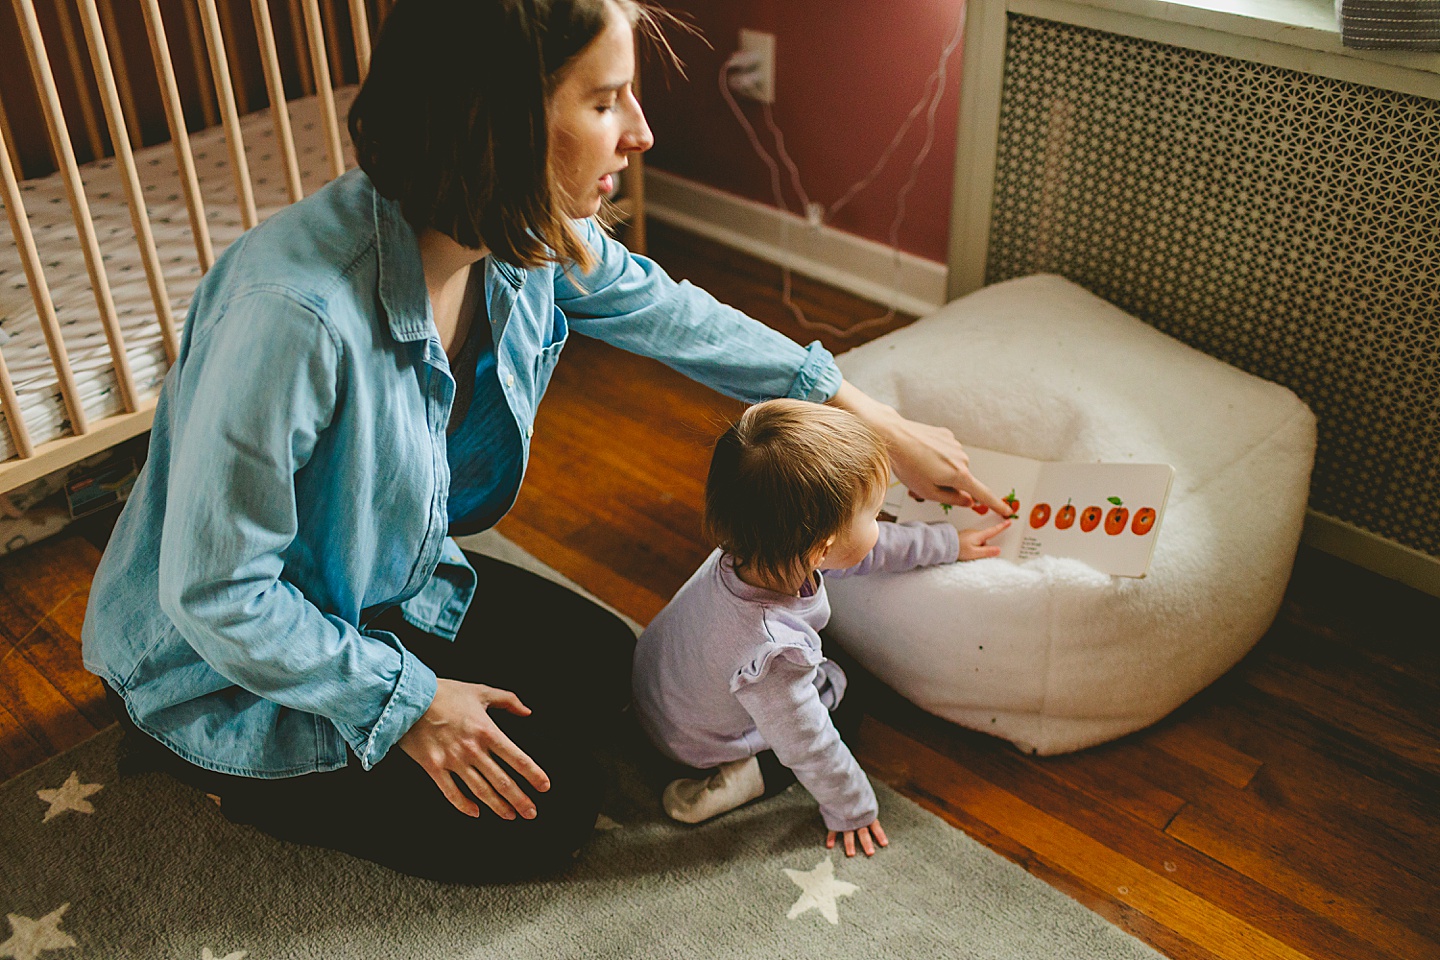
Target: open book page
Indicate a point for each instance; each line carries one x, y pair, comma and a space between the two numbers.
1105, 514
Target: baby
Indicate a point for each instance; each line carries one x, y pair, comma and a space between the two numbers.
730, 676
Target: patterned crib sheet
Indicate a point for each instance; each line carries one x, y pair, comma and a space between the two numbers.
51, 221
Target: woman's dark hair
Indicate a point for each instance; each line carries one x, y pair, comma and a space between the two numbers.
450, 121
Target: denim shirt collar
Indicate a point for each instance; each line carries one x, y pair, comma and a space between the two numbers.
402, 277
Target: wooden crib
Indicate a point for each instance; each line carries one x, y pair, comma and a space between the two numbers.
111, 234
103, 256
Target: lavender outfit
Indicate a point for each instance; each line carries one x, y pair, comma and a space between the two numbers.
728, 670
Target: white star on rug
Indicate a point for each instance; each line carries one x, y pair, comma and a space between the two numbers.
28, 937
820, 888
70, 796
205, 954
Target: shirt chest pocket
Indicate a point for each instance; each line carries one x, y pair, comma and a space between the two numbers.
551, 344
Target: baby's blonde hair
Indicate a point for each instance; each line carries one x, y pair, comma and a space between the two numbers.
786, 477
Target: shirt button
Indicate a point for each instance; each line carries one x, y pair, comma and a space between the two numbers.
509, 379
529, 430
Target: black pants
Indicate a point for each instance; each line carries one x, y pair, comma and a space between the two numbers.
567, 659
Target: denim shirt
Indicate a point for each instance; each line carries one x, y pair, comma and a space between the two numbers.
297, 479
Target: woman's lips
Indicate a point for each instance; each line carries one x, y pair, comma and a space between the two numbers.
607, 184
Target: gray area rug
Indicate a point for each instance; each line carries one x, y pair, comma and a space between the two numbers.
92, 865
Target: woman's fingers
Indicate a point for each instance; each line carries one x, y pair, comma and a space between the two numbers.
879, 832
866, 843
830, 840
457, 743
519, 761
509, 702
447, 786
506, 797
982, 494
849, 843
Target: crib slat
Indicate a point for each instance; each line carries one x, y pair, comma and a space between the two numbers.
197, 55
279, 108
179, 136
8, 135
10, 403
9, 400
332, 43
302, 53
115, 41
44, 306
322, 83
79, 207
236, 64
360, 24
210, 20
139, 217
82, 87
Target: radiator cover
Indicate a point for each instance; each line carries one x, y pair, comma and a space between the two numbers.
1286, 223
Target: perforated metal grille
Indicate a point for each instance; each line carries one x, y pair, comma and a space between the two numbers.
1288, 224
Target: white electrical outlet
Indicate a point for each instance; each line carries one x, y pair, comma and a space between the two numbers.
754, 77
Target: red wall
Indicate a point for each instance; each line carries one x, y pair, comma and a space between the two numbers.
847, 74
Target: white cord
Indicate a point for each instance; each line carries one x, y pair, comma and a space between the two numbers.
928, 98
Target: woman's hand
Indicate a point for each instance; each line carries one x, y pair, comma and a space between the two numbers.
866, 843
456, 739
975, 544
928, 460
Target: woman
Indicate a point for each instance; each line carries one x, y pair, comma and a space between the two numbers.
280, 615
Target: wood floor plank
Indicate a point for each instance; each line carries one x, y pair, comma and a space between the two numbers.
1130, 777
53, 649
655, 560
1380, 619
631, 599
1389, 730
1185, 742
1125, 785
968, 754
19, 751
1309, 870
40, 577
1350, 670
41, 709
1305, 775
1151, 893
15, 621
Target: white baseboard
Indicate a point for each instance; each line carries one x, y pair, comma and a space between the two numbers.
863, 267
1373, 552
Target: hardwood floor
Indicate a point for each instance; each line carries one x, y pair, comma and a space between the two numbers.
1288, 811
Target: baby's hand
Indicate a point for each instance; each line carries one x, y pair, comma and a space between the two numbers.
974, 544
866, 843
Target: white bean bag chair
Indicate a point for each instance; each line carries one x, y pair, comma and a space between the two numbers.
1049, 653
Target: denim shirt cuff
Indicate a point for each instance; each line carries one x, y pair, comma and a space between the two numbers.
819, 378
439, 608
412, 697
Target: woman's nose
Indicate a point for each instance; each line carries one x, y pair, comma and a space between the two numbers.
638, 137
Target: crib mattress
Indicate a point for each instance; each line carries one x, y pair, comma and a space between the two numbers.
48, 210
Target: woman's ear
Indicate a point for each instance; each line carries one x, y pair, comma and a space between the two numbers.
821, 550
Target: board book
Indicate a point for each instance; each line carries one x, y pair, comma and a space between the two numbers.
1107, 515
